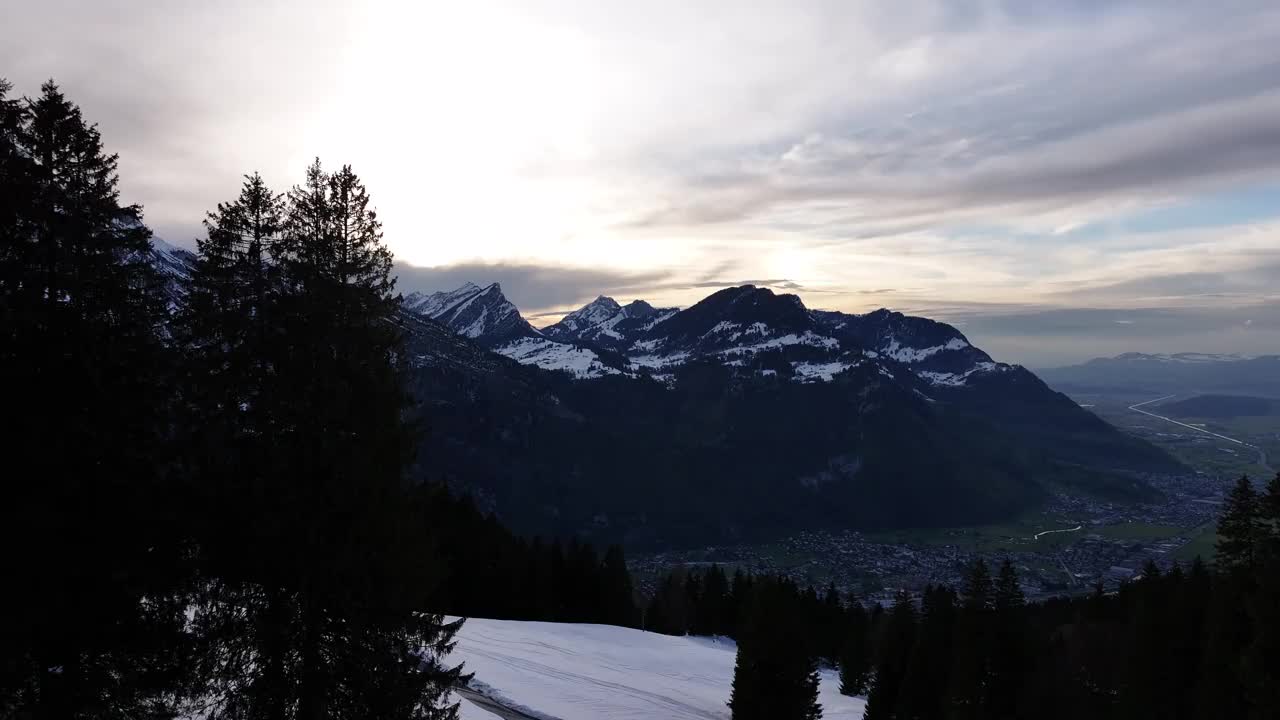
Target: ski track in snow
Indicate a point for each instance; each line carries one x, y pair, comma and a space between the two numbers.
567, 671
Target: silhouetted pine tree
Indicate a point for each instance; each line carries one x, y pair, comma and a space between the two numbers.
1010, 658
710, 616
619, 606
831, 634
335, 584
666, 612
1238, 528
1261, 662
1221, 691
740, 589
1269, 518
774, 676
855, 657
971, 671
92, 549
924, 685
895, 653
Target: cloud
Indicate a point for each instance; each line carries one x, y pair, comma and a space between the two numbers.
1248, 282
855, 152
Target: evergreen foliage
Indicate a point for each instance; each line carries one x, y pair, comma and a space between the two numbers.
92, 624
855, 656
1239, 528
775, 675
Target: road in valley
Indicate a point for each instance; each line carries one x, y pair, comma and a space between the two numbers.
1262, 454
1077, 528
1190, 427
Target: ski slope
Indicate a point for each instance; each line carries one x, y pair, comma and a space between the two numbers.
600, 672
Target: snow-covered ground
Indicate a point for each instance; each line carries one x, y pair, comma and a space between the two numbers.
600, 672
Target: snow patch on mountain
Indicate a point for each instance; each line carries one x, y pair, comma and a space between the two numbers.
959, 379
732, 327
598, 311
660, 317
436, 303
552, 355
808, 337
659, 361
895, 350
813, 372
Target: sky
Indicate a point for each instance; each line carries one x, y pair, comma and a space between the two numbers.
1060, 180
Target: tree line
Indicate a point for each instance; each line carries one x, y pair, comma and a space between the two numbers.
1188, 642
208, 509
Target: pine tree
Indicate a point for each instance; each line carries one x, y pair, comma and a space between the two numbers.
1269, 519
16, 202
297, 314
740, 589
971, 669
855, 657
924, 685
895, 654
830, 622
692, 603
1260, 663
1238, 528
1010, 659
618, 596
711, 612
774, 675
97, 624
1221, 691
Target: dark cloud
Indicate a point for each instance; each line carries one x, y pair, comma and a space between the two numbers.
531, 287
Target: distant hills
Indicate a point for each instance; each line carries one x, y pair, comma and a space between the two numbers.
1222, 407
1181, 373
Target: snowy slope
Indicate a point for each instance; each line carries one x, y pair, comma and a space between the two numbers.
747, 327
600, 672
550, 355
485, 315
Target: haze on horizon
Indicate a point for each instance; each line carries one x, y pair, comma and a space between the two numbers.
1060, 180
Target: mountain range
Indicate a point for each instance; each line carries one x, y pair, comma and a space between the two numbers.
750, 328
743, 415
740, 417
1180, 373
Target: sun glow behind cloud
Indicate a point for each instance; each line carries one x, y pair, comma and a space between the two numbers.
449, 107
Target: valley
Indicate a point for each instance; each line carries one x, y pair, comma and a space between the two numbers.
1062, 550
744, 418
1076, 539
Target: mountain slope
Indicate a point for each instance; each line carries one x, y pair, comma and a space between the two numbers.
485, 315
481, 313
774, 335
604, 323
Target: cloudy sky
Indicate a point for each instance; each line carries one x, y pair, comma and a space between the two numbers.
1059, 179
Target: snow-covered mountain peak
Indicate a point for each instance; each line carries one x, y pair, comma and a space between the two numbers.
593, 313
481, 313
750, 328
